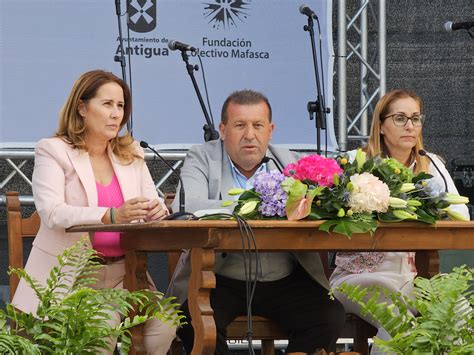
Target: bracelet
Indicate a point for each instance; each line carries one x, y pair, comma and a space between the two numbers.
112, 215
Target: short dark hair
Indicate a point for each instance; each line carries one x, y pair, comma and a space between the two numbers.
245, 97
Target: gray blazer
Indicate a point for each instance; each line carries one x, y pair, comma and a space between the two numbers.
207, 179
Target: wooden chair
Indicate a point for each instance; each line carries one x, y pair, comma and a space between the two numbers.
18, 229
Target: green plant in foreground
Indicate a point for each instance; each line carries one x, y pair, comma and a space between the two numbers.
72, 317
444, 325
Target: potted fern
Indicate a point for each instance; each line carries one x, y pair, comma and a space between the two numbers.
445, 320
72, 317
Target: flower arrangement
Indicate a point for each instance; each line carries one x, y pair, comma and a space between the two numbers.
351, 196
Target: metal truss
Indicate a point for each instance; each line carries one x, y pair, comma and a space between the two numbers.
371, 57
17, 158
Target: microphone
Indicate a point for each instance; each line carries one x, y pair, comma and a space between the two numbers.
424, 154
266, 159
176, 215
117, 7
183, 47
454, 26
305, 10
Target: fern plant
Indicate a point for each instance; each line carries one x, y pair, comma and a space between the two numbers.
445, 320
72, 317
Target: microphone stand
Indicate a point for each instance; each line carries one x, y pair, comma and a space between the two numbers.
121, 58
210, 132
316, 108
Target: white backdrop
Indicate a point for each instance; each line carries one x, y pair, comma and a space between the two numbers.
46, 44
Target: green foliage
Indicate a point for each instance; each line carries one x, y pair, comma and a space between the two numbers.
444, 325
72, 317
348, 226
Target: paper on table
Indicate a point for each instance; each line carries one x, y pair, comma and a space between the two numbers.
201, 213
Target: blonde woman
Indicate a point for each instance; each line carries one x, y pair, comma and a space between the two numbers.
396, 132
88, 173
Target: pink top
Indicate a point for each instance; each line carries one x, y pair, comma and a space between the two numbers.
108, 243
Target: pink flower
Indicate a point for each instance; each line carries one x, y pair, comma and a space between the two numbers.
315, 168
369, 194
301, 211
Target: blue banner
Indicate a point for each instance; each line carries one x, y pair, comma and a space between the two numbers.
45, 45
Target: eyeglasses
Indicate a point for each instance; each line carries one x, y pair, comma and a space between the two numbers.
400, 119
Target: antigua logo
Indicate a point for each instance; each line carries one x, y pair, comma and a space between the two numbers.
225, 13
142, 15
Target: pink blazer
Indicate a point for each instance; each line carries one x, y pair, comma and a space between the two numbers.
65, 195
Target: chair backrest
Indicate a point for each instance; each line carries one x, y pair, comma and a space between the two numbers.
427, 263
17, 229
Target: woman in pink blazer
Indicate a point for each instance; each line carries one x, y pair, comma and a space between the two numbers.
88, 174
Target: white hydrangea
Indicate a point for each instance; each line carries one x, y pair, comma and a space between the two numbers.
368, 194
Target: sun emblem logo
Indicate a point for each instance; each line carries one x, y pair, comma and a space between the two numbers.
225, 13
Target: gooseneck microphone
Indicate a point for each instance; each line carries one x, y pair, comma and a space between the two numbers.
305, 10
425, 154
266, 159
176, 45
176, 215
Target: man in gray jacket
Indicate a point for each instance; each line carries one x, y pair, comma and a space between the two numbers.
292, 288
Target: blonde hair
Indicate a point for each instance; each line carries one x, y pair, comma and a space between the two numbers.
376, 145
71, 125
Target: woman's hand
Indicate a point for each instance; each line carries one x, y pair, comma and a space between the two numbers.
134, 209
156, 210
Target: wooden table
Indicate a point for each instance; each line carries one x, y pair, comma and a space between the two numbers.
206, 237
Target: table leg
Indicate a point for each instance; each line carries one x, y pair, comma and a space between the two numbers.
135, 279
201, 283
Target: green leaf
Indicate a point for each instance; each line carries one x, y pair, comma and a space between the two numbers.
74, 318
312, 193
368, 165
388, 217
421, 176
347, 226
318, 214
445, 306
296, 193
249, 194
423, 216
297, 190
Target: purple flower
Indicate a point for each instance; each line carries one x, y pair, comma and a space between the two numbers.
432, 188
268, 185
